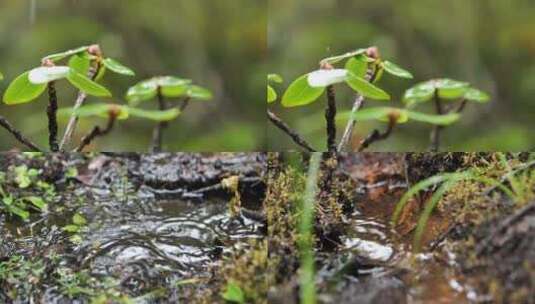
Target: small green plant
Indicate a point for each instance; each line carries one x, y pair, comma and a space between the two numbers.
84, 67
440, 91
516, 191
114, 112
233, 293
362, 69
77, 225
162, 88
21, 206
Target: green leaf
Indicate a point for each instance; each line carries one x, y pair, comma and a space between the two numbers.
476, 95
395, 70
378, 113
20, 212
1, 76
442, 120
336, 59
37, 202
169, 81
100, 110
71, 228
358, 66
141, 92
80, 64
175, 91
87, 85
271, 94
420, 93
324, 78
299, 93
450, 89
79, 220
274, 78
365, 88
59, 56
197, 92
21, 90
43, 75
234, 293
166, 115
117, 67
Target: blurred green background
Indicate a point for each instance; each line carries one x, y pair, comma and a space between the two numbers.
489, 43
220, 45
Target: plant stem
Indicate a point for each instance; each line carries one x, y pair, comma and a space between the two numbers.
376, 135
461, 106
80, 99
286, 129
18, 135
359, 102
52, 119
330, 117
435, 134
306, 232
184, 104
157, 134
96, 132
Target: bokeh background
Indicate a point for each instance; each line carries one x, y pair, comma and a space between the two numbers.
220, 45
489, 43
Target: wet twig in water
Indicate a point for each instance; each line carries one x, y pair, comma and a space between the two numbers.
293, 134
18, 135
51, 112
330, 117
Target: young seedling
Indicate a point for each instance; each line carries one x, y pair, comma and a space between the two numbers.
362, 68
163, 87
30, 85
440, 91
394, 116
90, 61
114, 112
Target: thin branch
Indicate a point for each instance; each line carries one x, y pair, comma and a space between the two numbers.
51, 112
462, 105
80, 99
330, 117
18, 135
376, 135
184, 104
293, 134
157, 134
359, 102
435, 134
96, 132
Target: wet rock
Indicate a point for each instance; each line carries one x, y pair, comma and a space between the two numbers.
382, 289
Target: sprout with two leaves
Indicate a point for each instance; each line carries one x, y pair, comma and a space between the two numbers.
440, 91
362, 68
30, 85
161, 88
114, 112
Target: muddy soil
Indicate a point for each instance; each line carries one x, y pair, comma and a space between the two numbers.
374, 262
155, 229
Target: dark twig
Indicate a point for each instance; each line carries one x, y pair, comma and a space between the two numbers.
184, 104
80, 99
461, 106
96, 132
376, 135
330, 117
51, 111
435, 134
157, 134
293, 134
18, 135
